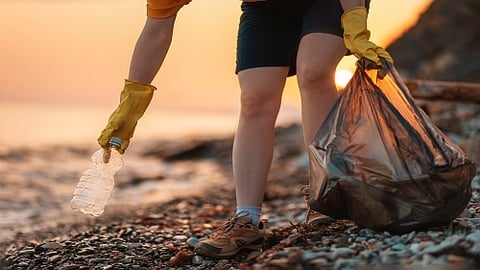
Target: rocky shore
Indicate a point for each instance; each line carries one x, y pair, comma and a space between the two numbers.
161, 234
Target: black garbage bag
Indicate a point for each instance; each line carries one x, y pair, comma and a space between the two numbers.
379, 161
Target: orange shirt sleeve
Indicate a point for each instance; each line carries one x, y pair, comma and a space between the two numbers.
161, 9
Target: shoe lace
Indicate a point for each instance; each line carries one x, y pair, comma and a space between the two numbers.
305, 190
229, 227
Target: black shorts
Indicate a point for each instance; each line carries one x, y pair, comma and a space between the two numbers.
270, 31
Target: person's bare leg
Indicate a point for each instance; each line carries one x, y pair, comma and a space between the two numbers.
253, 145
317, 59
151, 48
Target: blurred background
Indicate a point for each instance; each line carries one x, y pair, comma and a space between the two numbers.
63, 63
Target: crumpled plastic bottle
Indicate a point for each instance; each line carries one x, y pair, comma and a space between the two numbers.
95, 187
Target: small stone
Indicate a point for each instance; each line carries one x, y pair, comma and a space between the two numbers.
197, 260
87, 250
26, 252
223, 261
414, 247
360, 239
23, 264
180, 258
55, 259
158, 240
180, 237
434, 234
345, 264
366, 254
135, 245
433, 249
398, 247
424, 244
193, 242
52, 245
342, 253
410, 236
70, 267
309, 255
97, 260
343, 240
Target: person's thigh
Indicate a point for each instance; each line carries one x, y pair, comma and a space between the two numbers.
324, 17
318, 55
160, 9
321, 46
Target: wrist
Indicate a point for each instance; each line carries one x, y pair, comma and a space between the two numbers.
362, 9
348, 4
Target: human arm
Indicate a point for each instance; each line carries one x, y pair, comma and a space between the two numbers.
150, 51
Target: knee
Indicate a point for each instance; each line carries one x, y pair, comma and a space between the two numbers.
255, 105
315, 77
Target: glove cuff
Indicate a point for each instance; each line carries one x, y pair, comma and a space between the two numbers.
139, 85
355, 18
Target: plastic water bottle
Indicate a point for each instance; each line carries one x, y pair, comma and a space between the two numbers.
96, 184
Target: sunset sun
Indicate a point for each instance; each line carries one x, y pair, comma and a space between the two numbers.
342, 77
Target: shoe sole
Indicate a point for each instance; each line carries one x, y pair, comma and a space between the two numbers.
256, 245
321, 221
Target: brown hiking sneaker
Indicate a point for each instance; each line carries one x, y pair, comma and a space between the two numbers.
234, 235
313, 218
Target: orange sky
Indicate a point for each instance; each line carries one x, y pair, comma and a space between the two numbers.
65, 52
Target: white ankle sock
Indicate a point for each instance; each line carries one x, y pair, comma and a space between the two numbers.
253, 212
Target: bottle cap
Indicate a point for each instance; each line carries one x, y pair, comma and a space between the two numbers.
116, 142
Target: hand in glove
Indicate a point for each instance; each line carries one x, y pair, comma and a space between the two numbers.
134, 100
356, 37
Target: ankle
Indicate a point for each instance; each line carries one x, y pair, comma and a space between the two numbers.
253, 212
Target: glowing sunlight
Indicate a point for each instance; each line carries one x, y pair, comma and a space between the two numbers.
342, 77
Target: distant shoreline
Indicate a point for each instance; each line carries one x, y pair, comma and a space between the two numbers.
32, 125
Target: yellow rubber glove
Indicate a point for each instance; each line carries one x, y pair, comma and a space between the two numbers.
134, 100
356, 36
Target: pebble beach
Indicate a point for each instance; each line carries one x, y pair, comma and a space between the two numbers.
170, 194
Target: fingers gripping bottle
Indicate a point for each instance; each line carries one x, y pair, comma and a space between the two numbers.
96, 184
